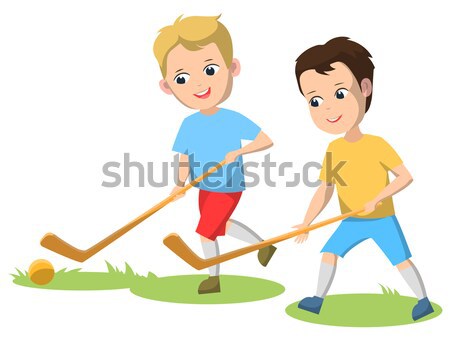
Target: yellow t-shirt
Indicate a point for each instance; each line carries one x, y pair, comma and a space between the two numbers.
360, 172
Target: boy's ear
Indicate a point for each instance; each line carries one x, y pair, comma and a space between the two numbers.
235, 67
165, 87
366, 87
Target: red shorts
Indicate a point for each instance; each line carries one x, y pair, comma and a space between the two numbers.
215, 210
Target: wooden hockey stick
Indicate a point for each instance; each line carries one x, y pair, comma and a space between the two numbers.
174, 242
56, 244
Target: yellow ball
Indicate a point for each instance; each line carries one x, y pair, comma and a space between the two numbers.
41, 272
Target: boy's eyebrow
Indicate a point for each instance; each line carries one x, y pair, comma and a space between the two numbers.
208, 60
310, 92
339, 83
178, 70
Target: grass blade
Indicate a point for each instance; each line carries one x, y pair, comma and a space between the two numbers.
110, 267
385, 292
128, 270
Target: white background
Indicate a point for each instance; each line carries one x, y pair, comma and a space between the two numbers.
79, 87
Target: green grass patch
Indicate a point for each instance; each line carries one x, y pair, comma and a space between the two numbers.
183, 289
363, 310
74, 279
176, 289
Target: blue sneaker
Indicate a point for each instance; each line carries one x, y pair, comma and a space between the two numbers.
311, 304
422, 309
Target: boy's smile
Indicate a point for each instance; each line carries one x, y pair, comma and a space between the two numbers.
204, 94
199, 79
335, 99
334, 120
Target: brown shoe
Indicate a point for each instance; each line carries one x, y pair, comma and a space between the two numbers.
210, 285
265, 254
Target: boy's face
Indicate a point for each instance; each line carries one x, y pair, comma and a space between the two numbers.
336, 101
199, 79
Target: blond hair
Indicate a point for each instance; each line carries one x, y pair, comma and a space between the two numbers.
193, 33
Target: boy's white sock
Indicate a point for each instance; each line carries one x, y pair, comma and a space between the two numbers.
242, 232
211, 249
326, 275
414, 281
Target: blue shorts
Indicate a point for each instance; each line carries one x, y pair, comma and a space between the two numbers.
386, 232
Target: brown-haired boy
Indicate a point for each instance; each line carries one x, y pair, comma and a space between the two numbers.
336, 79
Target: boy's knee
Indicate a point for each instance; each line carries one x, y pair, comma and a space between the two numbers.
329, 258
404, 265
203, 239
228, 225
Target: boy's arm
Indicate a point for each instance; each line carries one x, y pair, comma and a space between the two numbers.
403, 179
183, 173
317, 204
261, 142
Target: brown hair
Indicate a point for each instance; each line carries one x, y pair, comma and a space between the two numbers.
340, 49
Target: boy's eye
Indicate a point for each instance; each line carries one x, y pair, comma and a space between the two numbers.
341, 93
182, 78
211, 69
316, 101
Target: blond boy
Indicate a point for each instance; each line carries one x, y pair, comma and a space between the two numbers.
195, 55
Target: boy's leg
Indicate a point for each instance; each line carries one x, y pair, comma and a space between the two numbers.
349, 234
242, 232
215, 209
210, 250
326, 276
412, 277
389, 237
212, 284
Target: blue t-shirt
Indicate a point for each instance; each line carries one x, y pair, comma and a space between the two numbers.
207, 139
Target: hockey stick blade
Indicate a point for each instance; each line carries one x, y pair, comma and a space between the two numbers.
179, 247
57, 245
